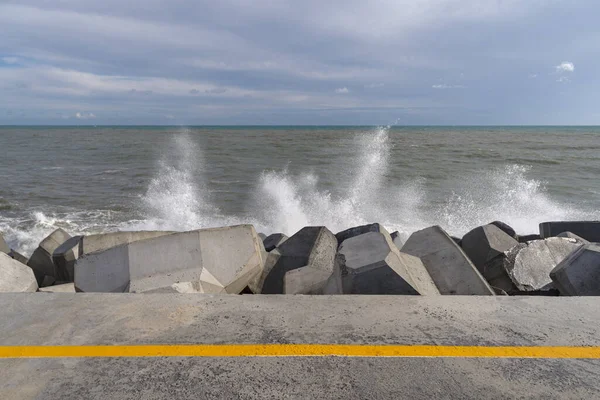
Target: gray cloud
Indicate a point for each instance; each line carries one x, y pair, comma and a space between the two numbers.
290, 61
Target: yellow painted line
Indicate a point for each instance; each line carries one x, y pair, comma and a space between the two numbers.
297, 350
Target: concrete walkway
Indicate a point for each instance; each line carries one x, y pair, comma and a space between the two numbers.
162, 320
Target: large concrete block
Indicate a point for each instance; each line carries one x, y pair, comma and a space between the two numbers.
505, 228
528, 238
372, 264
572, 236
15, 277
313, 246
579, 273
484, 243
447, 264
219, 260
103, 241
19, 257
305, 280
63, 288
397, 239
359, 230
528, 265
589, 230
3, 246
66, 254
41, 259
274, 240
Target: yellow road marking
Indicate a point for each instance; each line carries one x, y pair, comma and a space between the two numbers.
298, 350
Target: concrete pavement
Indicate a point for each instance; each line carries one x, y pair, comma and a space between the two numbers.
58, 319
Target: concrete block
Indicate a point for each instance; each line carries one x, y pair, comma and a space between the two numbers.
372, 264
449, 267
528, 238
103, 241
486, 242
41, 259
15, 277
305, 280
572, 236
219, 260
589, 230
505, 228
359, 230
64, 258
19, 257
63, 288
312, 246
579, 273
529, 264
274, 240
3, 246
262, 236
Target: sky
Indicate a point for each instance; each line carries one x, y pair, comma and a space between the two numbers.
309, 62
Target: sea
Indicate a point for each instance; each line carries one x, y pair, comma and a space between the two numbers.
88, 179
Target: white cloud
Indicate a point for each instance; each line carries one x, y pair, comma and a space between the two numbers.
10, 60
565, 66
444, 86
563, 79
342, 90
374, 85
533, 76
83, 115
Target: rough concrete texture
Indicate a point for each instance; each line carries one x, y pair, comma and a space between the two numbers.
505, 228
529, 264
270, 260
15, 277
274, 240
63, 288
579, 274
589, 230
372, 264
103, 241
219, 260
41, 259
312, 246
486, 242
305, 280
129, 319
64, 258
3, 246
572, 236
19, 257
359, 230
449, 267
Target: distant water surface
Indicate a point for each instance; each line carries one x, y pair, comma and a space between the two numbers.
88, 179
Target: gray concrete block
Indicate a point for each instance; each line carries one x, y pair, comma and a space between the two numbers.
274, 240
103, 241
572, 236
589, 230
305, 280
270, 260
262, 236
219, 260
64, 258
372, 264
3, 246
486, 242
528, 238
63, 288
15, 277
41, 259
19, 257
312, 246
398, 241
359, 230
579, 273
505, 228
447, 264
529, 264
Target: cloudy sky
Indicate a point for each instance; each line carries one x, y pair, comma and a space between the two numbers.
299, 62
